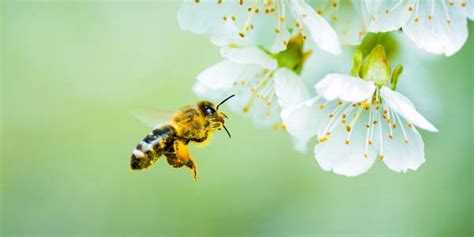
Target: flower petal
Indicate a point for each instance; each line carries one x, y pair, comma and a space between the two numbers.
303, 120
289, 88
249, 55
388, 15
470, 9
438, 29
345, 87
404, 107
221, 75
401, 156
319, 30
345, 159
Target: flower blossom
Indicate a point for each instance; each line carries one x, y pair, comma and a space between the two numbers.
436, 26
269, 24
253, 75
360, 117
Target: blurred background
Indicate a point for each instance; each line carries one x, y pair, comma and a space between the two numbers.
72, 72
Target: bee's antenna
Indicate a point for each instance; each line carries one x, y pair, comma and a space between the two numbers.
228, 133
217, 108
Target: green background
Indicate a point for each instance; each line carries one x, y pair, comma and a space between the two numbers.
71, 74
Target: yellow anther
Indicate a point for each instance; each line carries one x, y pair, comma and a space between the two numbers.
321, 106
381, 157
369, 142
323, 139
348, 128
366, 104
347, 142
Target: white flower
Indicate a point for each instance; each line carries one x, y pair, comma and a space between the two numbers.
254, 76
436, 26
268, 24
345, 17
358, 119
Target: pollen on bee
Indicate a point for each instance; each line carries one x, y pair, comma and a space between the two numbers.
348, 128
347, 142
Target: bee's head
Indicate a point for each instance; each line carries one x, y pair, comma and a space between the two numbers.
211, 112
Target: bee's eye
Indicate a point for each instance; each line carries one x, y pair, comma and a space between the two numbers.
210, 111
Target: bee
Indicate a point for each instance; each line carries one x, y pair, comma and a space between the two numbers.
189, 124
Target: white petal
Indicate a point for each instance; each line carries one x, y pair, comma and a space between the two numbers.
404, 107
387, 15
303, 120
445, 33
470, 9
300, 144
221, 75
289, 88
345, 87
249, 55
346, 19
400, 156
319, 30
345, 159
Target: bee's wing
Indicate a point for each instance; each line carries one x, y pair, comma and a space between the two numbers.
152, 117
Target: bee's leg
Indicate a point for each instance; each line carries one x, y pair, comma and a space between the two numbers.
183, 155
179, 156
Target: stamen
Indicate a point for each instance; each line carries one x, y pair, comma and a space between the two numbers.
448, 18
403, 129
366, 154
380, 137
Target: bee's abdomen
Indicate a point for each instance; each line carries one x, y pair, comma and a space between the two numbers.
152, 147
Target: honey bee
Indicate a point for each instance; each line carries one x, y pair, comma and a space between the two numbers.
189, 124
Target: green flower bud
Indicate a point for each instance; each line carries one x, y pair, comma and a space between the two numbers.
375, 67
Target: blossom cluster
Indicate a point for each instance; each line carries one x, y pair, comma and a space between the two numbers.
355, 118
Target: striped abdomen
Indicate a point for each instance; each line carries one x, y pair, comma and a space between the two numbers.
152, 147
